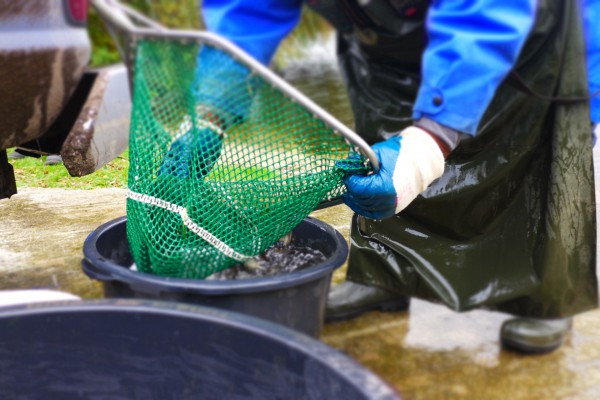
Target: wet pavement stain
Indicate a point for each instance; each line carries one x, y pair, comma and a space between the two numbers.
42, 235
429, 352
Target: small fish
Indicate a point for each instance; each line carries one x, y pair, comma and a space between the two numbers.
252, 264
286, 240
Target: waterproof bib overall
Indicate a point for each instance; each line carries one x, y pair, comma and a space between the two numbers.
511, 223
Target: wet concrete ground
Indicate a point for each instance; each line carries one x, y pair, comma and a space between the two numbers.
426, 353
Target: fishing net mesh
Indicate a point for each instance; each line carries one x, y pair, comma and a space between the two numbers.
222, 163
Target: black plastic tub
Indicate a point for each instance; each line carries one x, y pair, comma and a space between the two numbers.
296, 299
132, 349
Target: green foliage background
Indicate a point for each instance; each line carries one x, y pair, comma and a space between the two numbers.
183, 14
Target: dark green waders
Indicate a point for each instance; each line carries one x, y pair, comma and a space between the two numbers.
511, 224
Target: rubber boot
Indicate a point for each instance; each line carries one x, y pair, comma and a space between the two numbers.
534, 336
348, 300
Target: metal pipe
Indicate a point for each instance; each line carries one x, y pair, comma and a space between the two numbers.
110, 12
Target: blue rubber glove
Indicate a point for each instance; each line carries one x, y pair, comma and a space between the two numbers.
408, 165
193, 153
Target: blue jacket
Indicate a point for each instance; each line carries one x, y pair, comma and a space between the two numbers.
465, 60
591, 20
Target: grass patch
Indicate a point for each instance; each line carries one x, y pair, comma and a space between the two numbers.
31, 172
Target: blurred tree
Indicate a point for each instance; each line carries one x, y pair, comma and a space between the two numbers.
182, 14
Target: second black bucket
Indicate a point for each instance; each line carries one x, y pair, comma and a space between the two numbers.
296, 299
151, 350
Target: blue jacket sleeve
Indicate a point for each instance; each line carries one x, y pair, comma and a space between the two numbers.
472, 46
591, 16
256, 26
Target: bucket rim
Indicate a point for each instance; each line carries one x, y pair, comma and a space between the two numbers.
363, 379
95, 265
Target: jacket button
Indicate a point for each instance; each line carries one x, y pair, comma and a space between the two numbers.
437, 101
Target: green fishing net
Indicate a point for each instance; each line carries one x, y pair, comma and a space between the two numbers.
222, 162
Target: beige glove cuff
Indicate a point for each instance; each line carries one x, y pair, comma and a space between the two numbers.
419, 163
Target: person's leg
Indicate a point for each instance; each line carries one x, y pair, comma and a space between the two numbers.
369, 285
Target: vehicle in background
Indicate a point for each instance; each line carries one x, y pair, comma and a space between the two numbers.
50, 101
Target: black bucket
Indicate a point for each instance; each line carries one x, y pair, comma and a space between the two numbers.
296, 299
131, 349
